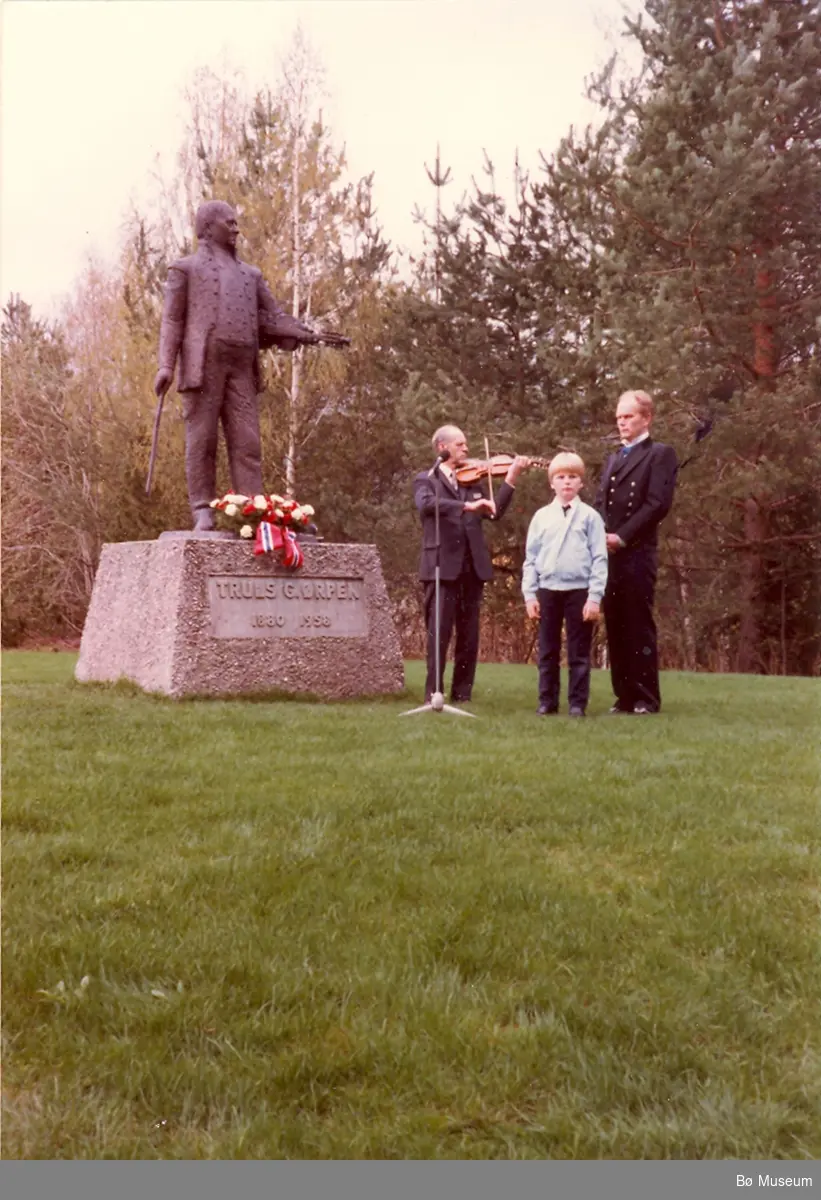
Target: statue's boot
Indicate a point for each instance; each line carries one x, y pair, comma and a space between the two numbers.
204, 521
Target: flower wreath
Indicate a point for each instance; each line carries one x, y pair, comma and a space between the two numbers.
271, 520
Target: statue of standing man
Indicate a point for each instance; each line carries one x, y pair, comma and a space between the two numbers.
218, 314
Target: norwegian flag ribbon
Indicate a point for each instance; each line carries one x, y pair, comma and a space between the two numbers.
271, 539
292, 555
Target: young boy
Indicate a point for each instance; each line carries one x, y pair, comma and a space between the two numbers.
563, 581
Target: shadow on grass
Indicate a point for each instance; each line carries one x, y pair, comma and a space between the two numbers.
126, 687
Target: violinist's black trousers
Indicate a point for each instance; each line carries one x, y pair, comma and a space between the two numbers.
459, 601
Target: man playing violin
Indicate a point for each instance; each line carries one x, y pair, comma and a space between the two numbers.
464, 559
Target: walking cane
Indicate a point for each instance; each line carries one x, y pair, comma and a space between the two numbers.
154, 443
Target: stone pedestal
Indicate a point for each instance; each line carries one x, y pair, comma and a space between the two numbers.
206, 617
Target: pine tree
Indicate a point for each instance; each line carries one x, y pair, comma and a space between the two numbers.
491, 342
696, 204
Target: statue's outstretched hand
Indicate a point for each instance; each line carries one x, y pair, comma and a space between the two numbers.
332, 339
162, 382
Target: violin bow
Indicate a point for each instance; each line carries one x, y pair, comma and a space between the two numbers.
489, 471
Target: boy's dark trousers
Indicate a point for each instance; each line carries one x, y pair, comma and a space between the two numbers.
557, 608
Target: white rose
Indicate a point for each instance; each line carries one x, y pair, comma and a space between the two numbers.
231, 510
214, 503
246, 531
236, 498
260, 503
308, 510
298, 514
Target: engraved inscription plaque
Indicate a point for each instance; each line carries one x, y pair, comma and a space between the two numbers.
254, 606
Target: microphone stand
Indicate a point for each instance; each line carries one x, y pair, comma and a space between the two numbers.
437, 701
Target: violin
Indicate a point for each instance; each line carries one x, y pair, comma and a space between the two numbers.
473, 470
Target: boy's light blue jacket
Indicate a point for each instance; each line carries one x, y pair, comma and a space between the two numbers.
565, 552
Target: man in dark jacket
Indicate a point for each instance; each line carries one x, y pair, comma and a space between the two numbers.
635, 494
464, 559
217, 316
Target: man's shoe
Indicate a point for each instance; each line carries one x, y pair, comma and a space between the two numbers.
544, 711
575, 711
641, 710
617, 710
460, 699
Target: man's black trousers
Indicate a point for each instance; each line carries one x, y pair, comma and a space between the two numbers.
459, 601
631, 630
558, 608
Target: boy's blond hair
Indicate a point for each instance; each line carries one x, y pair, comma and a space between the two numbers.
571, 463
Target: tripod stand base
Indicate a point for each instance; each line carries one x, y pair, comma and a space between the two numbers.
437, 704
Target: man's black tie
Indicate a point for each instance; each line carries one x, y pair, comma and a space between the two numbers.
565, 509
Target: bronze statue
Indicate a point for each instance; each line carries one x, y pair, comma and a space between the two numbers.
218, 314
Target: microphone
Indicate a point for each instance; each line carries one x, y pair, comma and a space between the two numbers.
443, 456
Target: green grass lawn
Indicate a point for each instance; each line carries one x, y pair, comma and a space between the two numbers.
292, 930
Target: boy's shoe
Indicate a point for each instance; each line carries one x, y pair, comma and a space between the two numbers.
576, 711
544, 711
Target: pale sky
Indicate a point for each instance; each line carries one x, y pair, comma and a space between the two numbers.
92, 94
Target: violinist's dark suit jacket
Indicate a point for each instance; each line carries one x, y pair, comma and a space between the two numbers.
464, 568
457, 529
635, 495
217, 315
